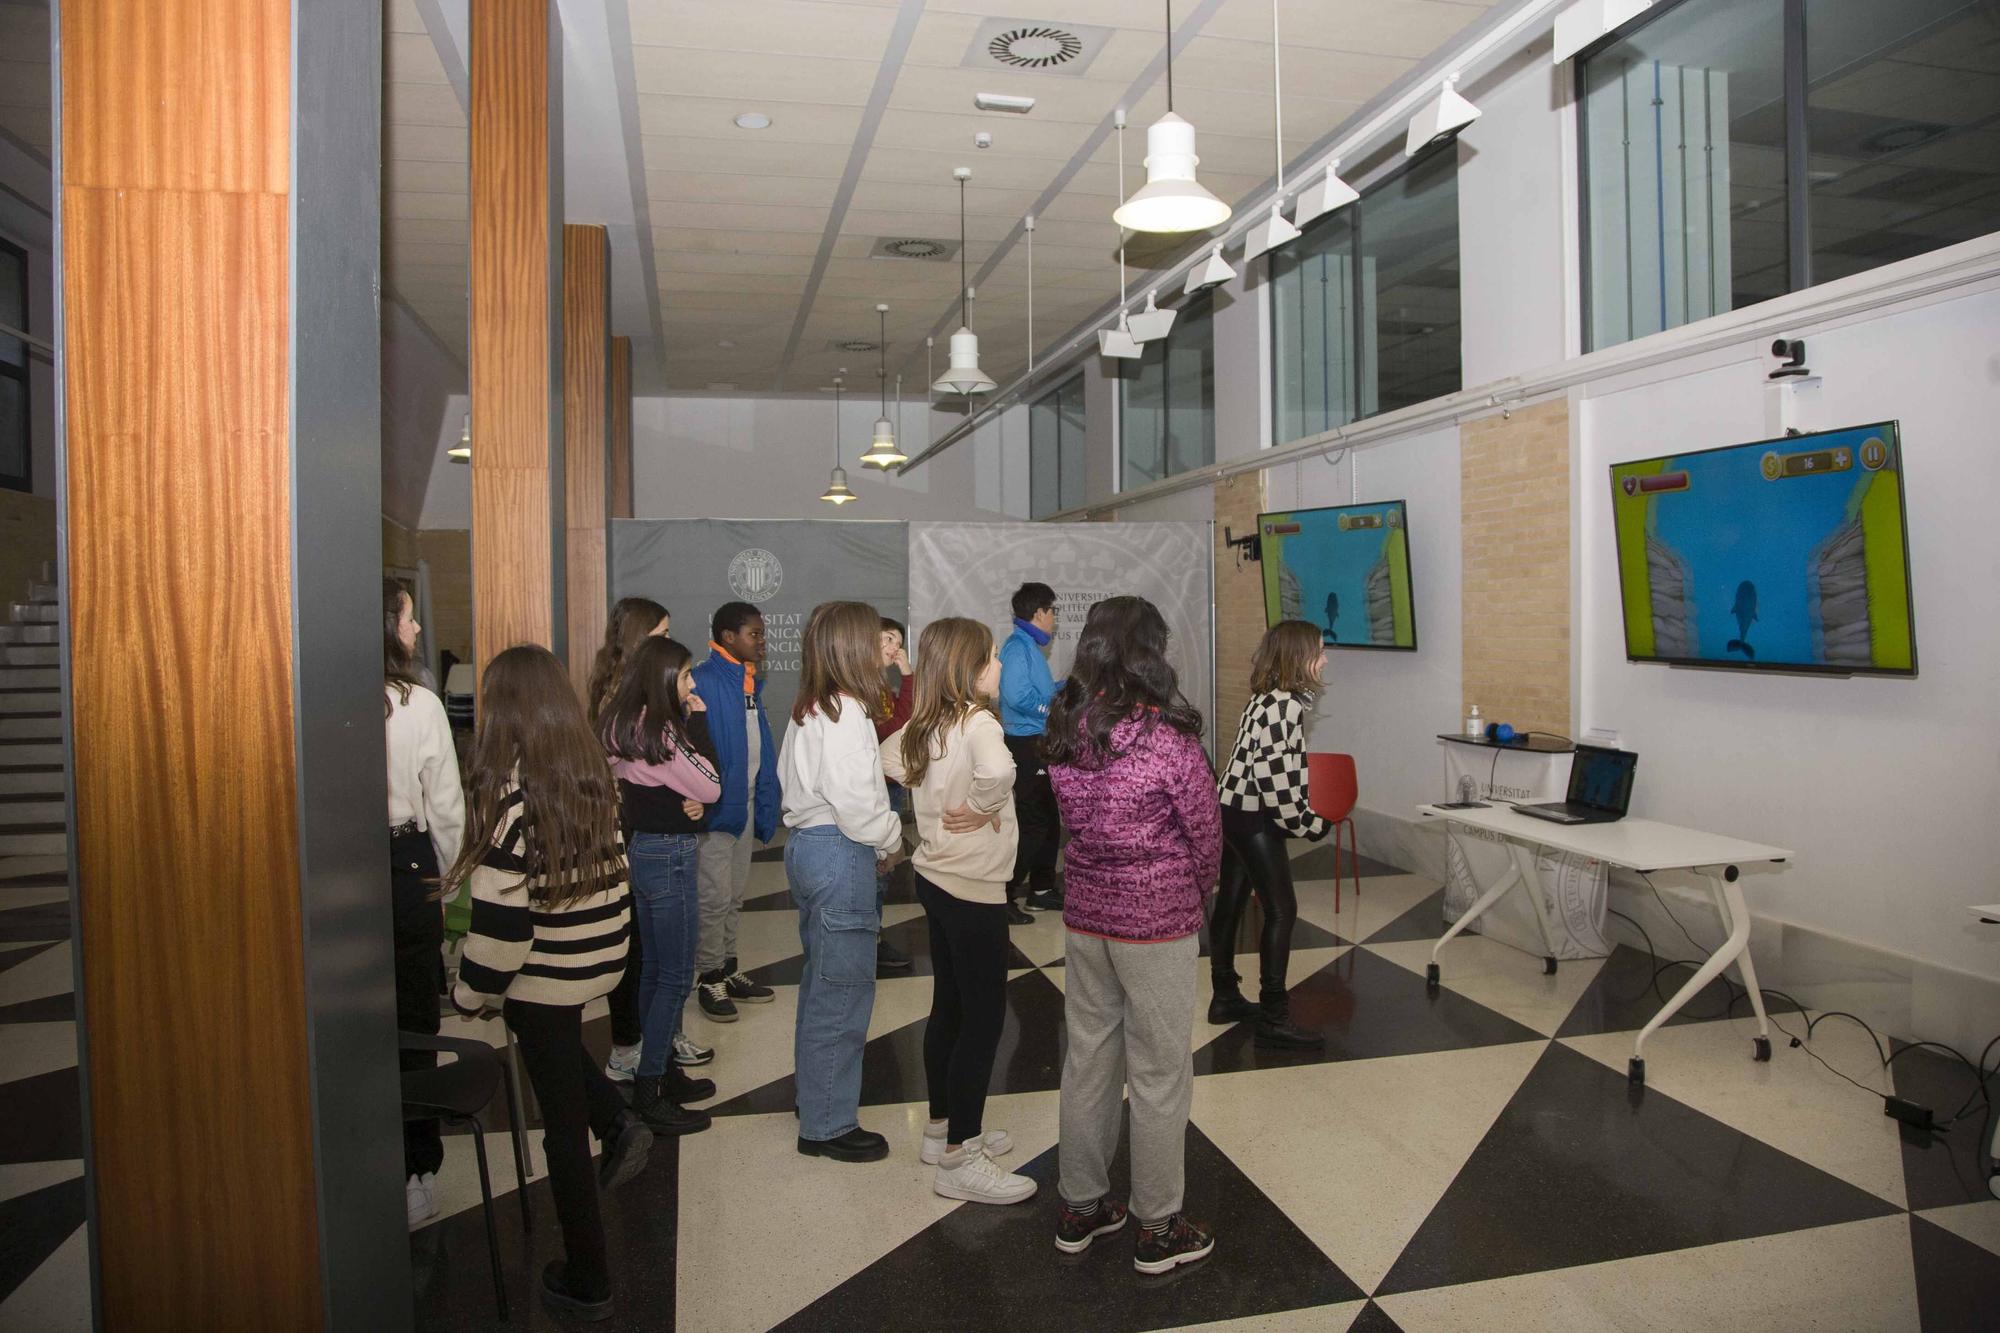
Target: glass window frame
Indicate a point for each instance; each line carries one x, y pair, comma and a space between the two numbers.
22, 374
1200, 303
1068, 451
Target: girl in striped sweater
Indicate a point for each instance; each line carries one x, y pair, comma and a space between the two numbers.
549, 920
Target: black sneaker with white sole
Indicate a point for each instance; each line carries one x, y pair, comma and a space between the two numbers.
742, 989
1179, 1242
713, 993
1048, 900
1075, 1230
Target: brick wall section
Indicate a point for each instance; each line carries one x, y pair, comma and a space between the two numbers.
1239, 601
1514, 508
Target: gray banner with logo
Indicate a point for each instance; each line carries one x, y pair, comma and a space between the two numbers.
972, 569
783, 567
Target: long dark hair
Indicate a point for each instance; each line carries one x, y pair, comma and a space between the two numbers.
531, 730
840, 654
399, 667
633, 619
1121, 669
645, 719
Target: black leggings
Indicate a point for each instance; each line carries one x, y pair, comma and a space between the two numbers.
626, 1015
968, 1005
1038, 817
576, 1100
1255, 860
418, 933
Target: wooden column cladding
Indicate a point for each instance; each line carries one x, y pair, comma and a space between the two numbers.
586, 439
174, 213
516, 337
621, 428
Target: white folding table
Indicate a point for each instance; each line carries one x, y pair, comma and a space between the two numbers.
1631, 844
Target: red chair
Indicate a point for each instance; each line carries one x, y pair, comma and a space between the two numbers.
1331, 790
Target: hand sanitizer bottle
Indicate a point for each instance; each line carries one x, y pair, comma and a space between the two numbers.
1475, 726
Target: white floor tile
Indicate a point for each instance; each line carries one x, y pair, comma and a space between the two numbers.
1976, 1222
1501, 977
28, 1049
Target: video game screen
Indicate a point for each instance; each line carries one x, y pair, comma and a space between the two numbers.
1787, 554
1345, 569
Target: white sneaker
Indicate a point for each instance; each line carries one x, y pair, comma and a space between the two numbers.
687, 1051
421, 1196
977, 1179
623, 1065
994, 1141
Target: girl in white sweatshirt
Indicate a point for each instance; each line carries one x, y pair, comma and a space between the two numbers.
953, 758
837, 807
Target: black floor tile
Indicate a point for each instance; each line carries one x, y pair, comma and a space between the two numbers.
1318, 864
1577, 1170
1940, 1169
43, 921
1624, 997
1366, 1007
1958, 1283
913, 937
33, 1226
44, 1009
453, 1277
1305, 935
1032, 1042
1374, 1319
983, 1267
1423, 921
43, 1116
775, 852
13, 958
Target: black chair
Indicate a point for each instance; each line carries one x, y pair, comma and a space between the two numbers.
457, 1093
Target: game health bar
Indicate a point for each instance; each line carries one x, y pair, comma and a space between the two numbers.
1657, 483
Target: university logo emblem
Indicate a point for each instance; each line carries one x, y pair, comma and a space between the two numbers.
755, 575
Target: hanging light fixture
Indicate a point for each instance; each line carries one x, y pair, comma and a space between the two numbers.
1440, 119
1119, 341
462, 451
1316, 201
836, 492
963, 375
1028, 223
1210, 272
1273, 231
1152, 323
882, 451
1171, 200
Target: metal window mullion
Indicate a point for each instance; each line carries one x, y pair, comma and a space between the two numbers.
1798, 184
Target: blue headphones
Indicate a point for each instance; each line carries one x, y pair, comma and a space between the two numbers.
1502, 733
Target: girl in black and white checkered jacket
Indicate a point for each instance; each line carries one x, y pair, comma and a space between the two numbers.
1263, 794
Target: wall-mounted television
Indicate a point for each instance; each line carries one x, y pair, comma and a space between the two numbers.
1345, 569
1788, 555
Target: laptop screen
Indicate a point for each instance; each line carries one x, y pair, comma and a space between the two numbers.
1602, 779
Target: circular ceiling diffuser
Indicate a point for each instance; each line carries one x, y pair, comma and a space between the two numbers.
855, 345
1897, 138
912, 249
1039, 47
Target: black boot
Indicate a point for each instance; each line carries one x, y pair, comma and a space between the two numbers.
1229, 1006
682, 1087
652, 1105
1276, 1031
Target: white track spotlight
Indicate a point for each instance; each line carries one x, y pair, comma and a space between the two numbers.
1269, 234
1118, 341
1329, 194
1274, 231
1152, 323
1210, 272
1440, 119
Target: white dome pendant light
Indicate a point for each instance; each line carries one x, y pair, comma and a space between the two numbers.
1171, 200
882, 451
1273, 231
964, 375
1119, 341
836, 492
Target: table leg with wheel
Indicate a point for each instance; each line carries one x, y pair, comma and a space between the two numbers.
1736, 916
1472, 913
1531, 879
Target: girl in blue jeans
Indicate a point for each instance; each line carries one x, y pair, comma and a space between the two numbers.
656, 733
836, 804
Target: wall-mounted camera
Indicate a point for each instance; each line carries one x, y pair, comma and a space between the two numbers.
1791, 353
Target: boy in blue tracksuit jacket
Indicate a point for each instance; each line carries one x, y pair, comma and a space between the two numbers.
1027, 688
732, 690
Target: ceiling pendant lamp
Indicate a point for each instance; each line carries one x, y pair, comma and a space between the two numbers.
1273, 231
1118, 341
836, 492
882, 451
1331, 193
1171, 200
963, 375
462, 451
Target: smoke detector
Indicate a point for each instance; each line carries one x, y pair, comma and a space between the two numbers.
914, 247
1031, 47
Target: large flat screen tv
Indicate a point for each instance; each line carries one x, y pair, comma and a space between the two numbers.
1345, 569
1786, 555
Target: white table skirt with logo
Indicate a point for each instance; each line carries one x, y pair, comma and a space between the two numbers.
1573, 886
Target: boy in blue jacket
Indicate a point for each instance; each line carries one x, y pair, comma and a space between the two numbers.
1026, 690
732, 689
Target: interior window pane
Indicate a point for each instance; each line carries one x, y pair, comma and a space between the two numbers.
1312, 328
1044, 457
1167, 414
1070, 416
1684, 171
1409, 286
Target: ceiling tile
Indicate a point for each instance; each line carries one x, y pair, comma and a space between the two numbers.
786, 27
709, 118
691, 187
744, 153
421, 104
746, 217
409, 57
751, 79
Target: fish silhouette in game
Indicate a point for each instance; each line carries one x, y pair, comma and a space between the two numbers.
1332, 614
1745, 614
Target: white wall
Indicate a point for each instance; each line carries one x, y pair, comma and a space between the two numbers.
423, 401
1384, 708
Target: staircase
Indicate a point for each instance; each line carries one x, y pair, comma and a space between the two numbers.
34, 848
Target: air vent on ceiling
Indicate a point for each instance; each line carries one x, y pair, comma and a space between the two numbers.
1027, 46
852, 345
913, 247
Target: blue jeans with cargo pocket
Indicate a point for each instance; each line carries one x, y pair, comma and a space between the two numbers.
833, 883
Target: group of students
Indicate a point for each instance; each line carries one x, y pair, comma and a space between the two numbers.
974, 737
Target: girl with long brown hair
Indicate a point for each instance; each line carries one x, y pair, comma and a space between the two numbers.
426, 826
1263, 797
837, 807
953, 759
633, 620
549, 921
